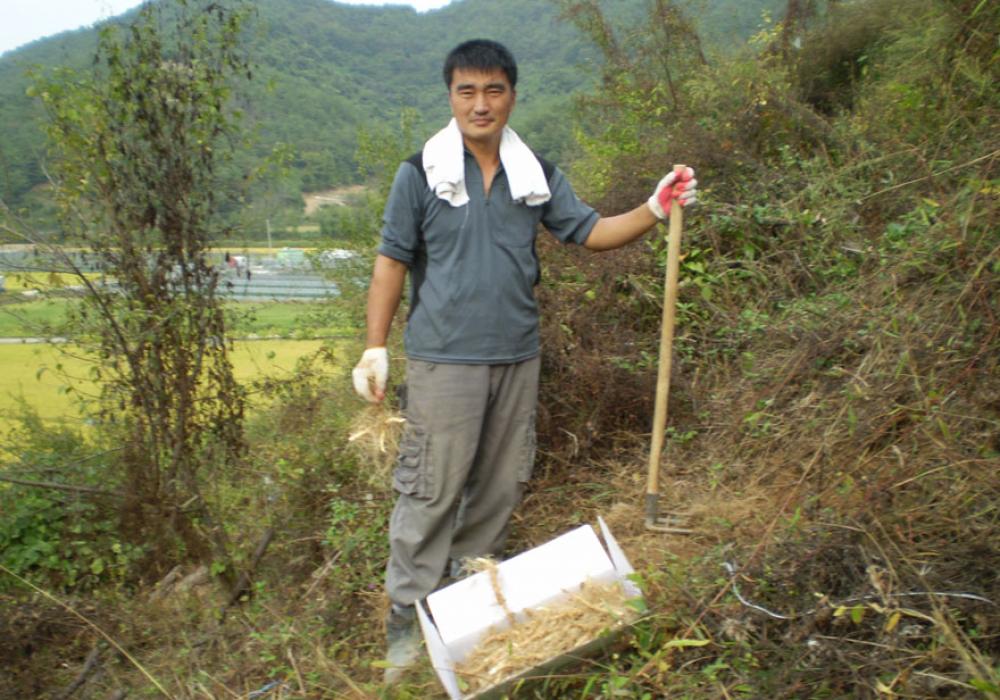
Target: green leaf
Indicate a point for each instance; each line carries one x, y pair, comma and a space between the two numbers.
985, 686
684, 643
217, 567
638, 604
857, 614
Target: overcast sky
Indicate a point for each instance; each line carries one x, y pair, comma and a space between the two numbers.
23, 21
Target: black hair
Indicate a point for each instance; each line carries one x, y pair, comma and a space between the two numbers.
481, 55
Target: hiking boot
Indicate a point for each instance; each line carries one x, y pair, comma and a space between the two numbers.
402, 636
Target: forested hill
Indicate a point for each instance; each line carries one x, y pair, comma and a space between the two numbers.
326, 69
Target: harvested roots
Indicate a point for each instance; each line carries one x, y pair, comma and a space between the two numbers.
374, 438
546, 633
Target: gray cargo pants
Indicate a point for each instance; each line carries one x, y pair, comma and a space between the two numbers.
466, 452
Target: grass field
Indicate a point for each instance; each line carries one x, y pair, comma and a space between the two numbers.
53, 382
30, 319
32, 373
42, 281
284, 318
44, 317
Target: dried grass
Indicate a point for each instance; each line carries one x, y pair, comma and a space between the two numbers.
544, 633
374, 439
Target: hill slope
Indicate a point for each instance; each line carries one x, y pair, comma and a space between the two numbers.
326, 69
834, 432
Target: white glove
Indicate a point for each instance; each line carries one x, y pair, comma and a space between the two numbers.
373, 367
679, 185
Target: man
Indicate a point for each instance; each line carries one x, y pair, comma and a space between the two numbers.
461, 219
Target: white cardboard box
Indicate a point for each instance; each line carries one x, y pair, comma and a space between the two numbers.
464, 612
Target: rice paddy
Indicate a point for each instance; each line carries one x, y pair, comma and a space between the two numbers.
42, 281
53, 380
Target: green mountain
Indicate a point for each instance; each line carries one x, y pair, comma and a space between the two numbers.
325, 70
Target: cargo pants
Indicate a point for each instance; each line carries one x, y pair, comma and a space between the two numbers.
467, 450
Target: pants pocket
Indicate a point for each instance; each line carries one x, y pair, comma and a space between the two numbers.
528, 448
411, 477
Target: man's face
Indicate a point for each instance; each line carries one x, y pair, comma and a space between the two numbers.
481, 103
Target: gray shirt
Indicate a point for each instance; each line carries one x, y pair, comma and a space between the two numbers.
473, 268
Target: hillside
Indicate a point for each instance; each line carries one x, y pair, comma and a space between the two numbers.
325, 70
833, 441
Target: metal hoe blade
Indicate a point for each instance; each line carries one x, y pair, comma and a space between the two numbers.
667, 522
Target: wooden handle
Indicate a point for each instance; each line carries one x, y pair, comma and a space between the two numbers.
666, 344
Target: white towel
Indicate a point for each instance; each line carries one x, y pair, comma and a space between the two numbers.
524, 172
444, 165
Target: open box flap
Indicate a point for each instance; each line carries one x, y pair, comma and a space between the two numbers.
621, 562
440, 659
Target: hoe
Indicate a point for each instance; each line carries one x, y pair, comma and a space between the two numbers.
654, 521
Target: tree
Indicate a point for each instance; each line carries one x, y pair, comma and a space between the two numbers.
631, 120
139, 151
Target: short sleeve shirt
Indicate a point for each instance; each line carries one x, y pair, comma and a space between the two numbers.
473, 268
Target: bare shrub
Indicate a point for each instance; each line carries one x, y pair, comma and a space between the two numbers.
139, 149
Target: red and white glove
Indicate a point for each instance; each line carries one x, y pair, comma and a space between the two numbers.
373, 369
679, 185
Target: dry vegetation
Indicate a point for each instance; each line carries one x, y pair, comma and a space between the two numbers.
544, 633
835, 423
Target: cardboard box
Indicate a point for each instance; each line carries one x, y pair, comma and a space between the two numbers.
456, 618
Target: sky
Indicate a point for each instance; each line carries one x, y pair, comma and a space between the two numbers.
24, 21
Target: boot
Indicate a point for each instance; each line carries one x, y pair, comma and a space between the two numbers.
402, 636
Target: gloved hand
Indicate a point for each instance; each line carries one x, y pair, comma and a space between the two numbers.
679, 185
373, 367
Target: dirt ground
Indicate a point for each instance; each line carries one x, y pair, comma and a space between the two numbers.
336, 197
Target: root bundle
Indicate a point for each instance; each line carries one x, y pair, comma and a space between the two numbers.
545, 633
